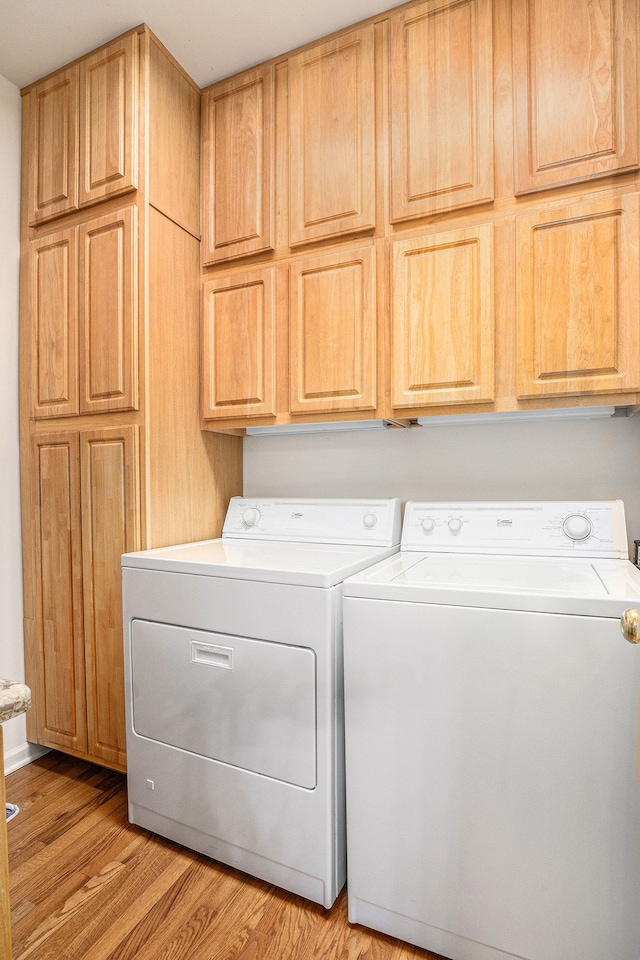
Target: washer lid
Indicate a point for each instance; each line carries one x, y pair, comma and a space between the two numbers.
585, 587
305, 564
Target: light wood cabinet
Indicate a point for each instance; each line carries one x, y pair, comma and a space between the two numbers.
239, 317
333, 333
108, 121
443, 319
110, 348
578, 286
84, 291
332, 144
238, 158
53, 291
109, 500
85, 508
441, 107
108, 312
83, 132
576, 90
53, 141
59, 685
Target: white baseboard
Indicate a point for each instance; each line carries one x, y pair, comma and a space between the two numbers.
22, 755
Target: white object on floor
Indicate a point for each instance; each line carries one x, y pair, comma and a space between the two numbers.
12, 811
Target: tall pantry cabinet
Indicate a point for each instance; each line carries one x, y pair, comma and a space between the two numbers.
113, 458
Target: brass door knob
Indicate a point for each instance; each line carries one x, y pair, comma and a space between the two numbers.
630, 625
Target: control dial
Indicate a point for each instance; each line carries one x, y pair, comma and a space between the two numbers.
369, 520
455, 525
577, 527
428, 524
250, 516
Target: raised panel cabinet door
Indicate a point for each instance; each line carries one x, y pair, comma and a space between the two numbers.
578, 285
332, 332
441, 107
53, 308
110, 527
239, 316
108, 121
238, 147
53, 146
332, 138
575, 68
443, 319
60, 681
108, 312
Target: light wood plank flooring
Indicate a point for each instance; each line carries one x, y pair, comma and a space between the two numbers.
86, 885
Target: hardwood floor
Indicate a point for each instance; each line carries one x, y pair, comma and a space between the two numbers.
86, 885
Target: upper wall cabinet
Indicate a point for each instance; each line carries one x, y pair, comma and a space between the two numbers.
332, 138
443, 319
578, 287
576, 82
332, 331
83, 132
441, 107
238, 144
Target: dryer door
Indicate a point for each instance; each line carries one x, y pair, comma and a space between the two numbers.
244, 702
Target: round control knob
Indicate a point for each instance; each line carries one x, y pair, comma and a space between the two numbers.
428, 524
369, 520
577, 527
250, 516
455, 525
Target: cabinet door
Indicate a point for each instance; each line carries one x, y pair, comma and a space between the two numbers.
53, 296
578, 288
110, 527
238, 143
53, 146
108, 311
443, 319
60, 683
108, 121
332, 138
332, 333
239, 315
441, 107
576, 90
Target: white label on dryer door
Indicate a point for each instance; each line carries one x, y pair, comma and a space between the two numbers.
247, 703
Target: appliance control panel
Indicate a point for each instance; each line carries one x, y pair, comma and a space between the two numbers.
543, 528
375, 522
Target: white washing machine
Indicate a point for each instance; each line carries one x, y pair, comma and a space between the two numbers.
233, 659
492, 734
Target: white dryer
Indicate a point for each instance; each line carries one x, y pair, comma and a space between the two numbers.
492, 734
234, 687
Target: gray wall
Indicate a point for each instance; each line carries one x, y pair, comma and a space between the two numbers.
542, 460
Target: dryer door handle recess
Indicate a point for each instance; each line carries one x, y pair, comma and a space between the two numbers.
213, 655
630, 625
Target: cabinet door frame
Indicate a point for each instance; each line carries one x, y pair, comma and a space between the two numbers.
478, 386
56, 150
121, 174
361, 394
359, 211
256, 340
623, 371
409, 130
623, 152
58, 581
121, 385
54, 336
250, 101
103, 498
